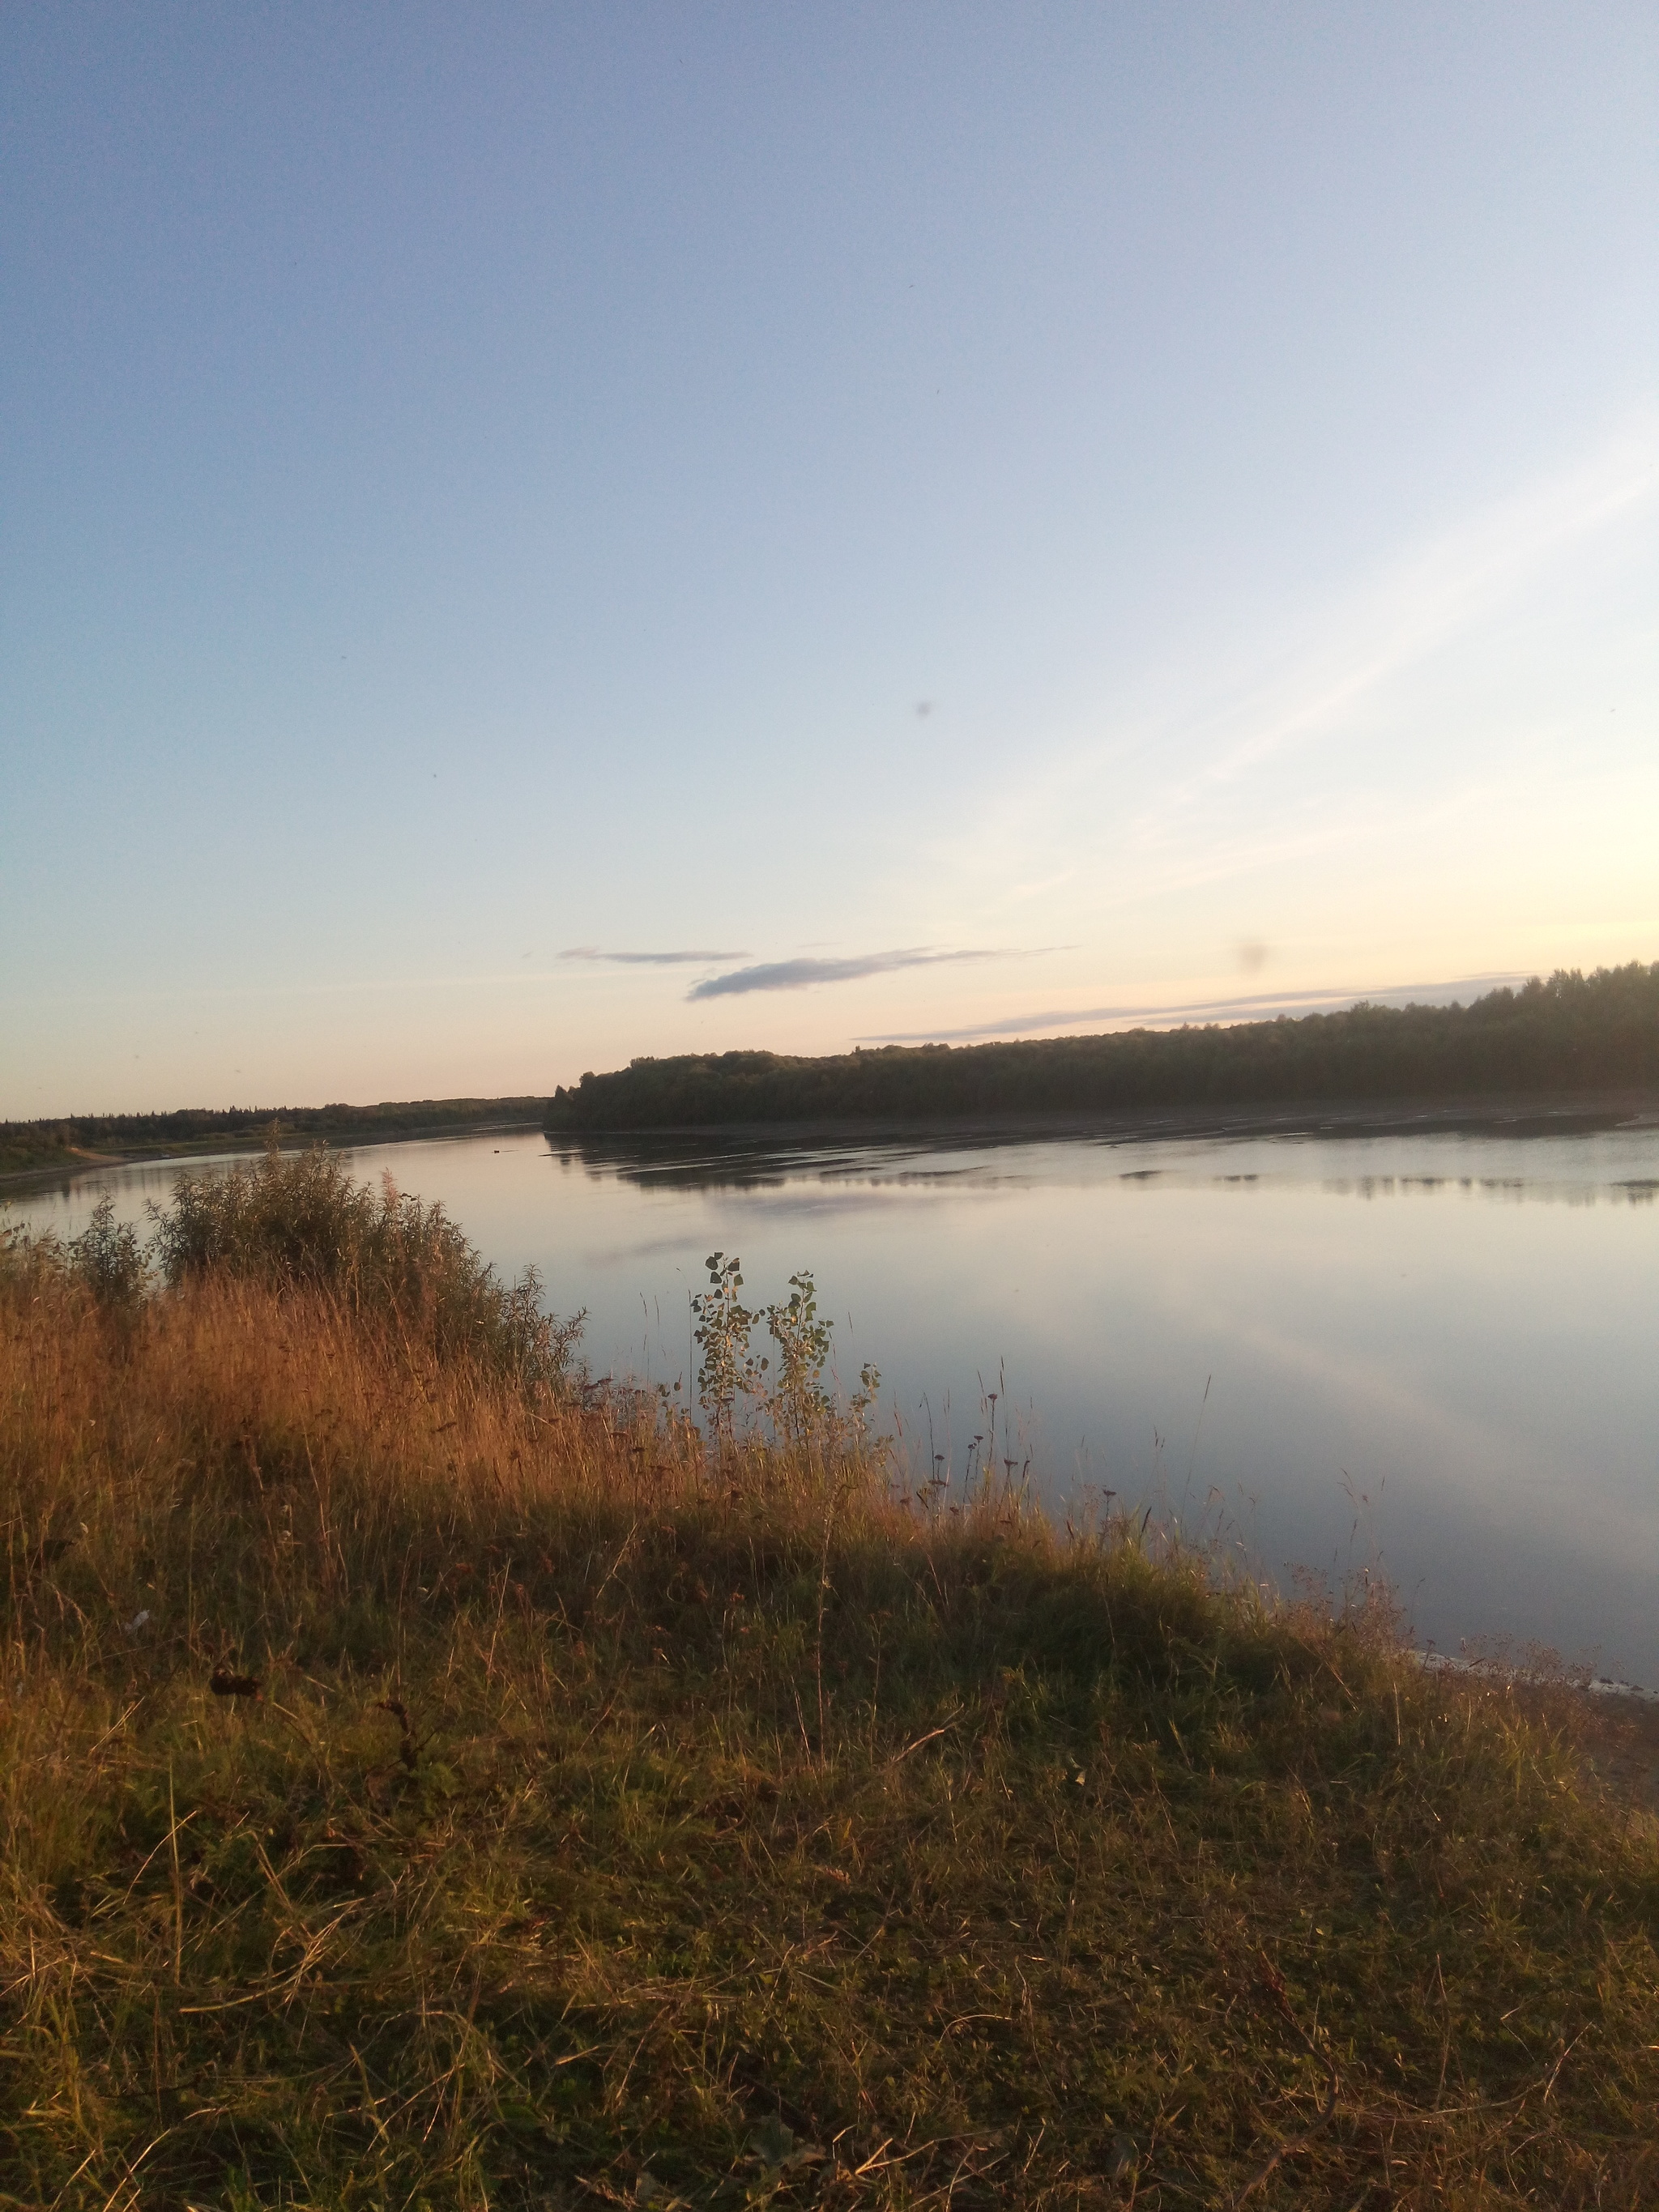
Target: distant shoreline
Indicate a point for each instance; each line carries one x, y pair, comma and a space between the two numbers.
67, 1163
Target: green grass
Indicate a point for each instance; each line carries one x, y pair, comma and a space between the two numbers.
424, 1782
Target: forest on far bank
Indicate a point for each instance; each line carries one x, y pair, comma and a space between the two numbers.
1573, 1033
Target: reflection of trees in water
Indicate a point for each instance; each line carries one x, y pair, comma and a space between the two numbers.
668, 1162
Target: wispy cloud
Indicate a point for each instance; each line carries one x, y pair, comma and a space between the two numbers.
1440, 590
800, 974
1262, 1006
1204, 770
696, 958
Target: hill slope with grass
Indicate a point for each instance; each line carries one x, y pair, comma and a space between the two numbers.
429, 1780
1573, 1034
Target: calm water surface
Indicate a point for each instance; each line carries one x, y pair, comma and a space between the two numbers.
1435, 1353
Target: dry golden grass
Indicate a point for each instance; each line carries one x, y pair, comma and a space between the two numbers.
422, 1788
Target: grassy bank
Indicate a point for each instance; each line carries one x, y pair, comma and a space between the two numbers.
428, 1782
1572, 1035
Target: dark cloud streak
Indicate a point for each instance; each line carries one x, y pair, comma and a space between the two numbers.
800, 974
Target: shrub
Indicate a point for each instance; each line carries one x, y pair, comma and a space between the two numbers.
109, 1259
300, 1220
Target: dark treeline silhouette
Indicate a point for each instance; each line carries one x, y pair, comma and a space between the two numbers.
1573, 1033
206, 1128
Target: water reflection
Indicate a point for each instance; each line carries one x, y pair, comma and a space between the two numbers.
1430, 1347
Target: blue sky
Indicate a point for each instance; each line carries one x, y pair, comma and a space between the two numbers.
934, 521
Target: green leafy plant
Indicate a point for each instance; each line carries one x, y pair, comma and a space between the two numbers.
108, 1257
791, 1396
799, 1400
724, 1327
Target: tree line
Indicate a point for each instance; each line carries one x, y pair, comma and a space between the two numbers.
1571, 1033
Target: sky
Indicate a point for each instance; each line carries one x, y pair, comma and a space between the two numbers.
531, 536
